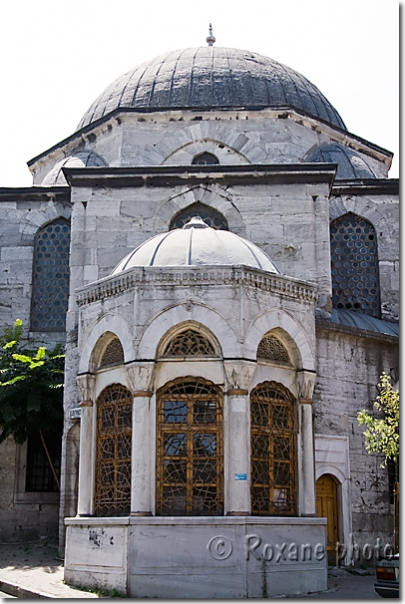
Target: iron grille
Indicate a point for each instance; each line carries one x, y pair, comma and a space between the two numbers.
113, 354
272, 349
273, 450
189, 343
113, 453
189, 471
354, 265
50, 287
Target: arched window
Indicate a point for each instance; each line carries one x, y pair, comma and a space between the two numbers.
273, 450
210, 216
189, 472
112, 355
50, 285
354, 265
205, 159
113, 452
189, 343
272, 349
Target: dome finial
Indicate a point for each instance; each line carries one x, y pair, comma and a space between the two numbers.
210, 38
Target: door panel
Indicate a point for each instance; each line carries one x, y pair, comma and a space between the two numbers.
326, 507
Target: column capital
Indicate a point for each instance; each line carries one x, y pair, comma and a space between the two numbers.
239, 374
85, 383
140, 375
306, 383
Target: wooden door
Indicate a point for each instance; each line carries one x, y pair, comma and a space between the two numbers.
326, 507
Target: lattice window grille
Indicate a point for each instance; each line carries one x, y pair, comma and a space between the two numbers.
50, 288
272, 349
189, 343
205, 159
189, 460
273, 450
210, 216
113, 354
113, 452
354, 265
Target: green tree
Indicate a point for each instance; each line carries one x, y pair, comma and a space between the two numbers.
31, 389
382, 434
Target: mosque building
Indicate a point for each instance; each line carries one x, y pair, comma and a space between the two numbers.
220, 256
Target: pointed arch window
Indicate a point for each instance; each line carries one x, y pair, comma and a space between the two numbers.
113, 452
272, 349
354, 265
189, 460
112, 355
50, 285
205, 159
210, 216
273, 450
189, 343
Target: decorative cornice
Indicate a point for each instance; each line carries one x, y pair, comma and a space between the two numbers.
189, 276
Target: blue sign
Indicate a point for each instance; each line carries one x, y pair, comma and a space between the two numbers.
240, 476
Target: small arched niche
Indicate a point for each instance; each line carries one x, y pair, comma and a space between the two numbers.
188, 342
205, 159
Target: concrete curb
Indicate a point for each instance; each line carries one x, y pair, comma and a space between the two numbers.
12, 589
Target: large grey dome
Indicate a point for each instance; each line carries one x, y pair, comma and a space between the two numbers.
205, 77
197, 244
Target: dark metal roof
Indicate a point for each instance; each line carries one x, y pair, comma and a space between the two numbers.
212, 77
361, 321
350, 164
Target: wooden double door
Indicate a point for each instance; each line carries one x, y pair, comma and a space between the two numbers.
327, 507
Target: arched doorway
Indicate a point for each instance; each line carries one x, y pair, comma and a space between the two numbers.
326, 507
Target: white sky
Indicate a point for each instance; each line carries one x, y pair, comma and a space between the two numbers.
57, 56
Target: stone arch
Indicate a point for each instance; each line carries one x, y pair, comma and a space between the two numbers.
359, 206
39, 218
188, 313
225, 154
290, 331
97, 338
211, 195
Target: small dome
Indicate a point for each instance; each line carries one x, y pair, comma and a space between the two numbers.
197, 244
211, 77
350, 164
82, 159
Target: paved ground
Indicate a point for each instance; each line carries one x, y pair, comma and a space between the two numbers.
34, 570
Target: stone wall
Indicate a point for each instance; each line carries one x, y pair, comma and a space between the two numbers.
349, 367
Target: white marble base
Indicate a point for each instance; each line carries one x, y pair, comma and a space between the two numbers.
205, 557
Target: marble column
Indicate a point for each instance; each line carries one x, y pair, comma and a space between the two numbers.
140, 376
237, 438
306, 457
86, 384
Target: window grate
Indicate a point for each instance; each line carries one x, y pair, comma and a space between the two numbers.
189, 343
39, 475
189, 472
273, 450
113, 354
50, 288
113, 452
270, 348
354, 265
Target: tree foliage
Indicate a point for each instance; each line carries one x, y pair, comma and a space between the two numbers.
31, 386
382, 434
